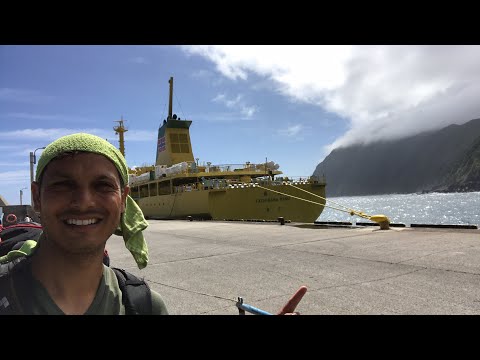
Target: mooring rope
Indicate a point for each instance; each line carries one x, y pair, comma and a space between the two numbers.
381, 219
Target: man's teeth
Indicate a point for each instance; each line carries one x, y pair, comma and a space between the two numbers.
81, 222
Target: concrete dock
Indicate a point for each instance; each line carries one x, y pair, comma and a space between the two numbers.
202, 267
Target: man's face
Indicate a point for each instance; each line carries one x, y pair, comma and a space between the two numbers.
80, 201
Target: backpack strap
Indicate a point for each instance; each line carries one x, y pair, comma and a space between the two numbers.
5, 268
10, 300
137, 297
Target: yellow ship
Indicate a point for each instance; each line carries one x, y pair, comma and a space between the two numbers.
178, 187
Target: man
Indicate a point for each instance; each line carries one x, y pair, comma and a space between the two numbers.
81, 192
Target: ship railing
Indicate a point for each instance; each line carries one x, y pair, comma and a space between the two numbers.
264, 180
194, 168
288, 180
186, 188
212, 183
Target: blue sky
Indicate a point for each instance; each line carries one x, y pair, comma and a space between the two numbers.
289, 104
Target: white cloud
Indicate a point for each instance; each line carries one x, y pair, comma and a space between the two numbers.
202, 74
48, 135
24, 96
19, 116
228, 67
142, 135
8, 147
236, 103
12, 164
222, 117
385, 92
248, 111
45, 134
291, 131
209, 76
18, 178
139, 60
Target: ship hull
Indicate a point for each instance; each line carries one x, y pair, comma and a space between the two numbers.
240, 203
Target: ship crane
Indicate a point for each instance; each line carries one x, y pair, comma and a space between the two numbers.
120, 130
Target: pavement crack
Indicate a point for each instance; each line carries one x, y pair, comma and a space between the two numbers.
388, 262
365, 282
435, 253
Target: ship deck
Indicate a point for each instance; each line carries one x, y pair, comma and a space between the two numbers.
202, 267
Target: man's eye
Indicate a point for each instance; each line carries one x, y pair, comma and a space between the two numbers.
106, 186
62, 184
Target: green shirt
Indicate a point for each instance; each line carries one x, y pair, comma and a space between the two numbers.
107, 301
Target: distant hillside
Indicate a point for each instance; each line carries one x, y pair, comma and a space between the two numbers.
465, 175
443, 160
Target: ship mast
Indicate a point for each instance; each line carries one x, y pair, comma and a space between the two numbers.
170, 98
120, 129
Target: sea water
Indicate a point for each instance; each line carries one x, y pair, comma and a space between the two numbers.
428, 208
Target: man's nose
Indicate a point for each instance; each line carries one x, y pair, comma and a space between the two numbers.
83, 197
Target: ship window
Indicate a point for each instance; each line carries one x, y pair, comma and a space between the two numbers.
164, 188
179, 143
153, 189
134, 192
143, 190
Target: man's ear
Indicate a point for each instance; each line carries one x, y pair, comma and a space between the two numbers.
125, 192
35, 189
